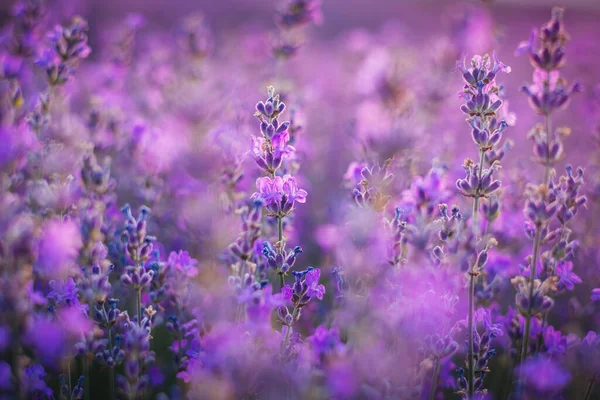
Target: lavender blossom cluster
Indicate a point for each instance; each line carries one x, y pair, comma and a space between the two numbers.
280, 210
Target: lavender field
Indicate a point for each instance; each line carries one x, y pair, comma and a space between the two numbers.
299, 199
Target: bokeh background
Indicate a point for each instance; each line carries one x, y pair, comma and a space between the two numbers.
375, 80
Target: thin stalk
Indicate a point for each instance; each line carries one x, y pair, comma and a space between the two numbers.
536, 250
476, 199
111, 370
471, 360
280, 230
589, 390
69, 376
286, 338
434, 378
16, 370
139, 306
180, 349
86, 381
472, 274
548, 140
281, 247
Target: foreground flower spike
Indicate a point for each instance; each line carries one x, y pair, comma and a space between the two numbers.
462, 265
69, 46
138, 247
482, 109
278, 194
550, 200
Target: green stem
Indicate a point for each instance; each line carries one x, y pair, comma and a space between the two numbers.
280, 231
69, 376
470, 356
86, 381
472, 274
111, 372
548, 140
139, 306
16, 370
536, 250
286, 338
478, 195
434, 378
589, 390
113, 394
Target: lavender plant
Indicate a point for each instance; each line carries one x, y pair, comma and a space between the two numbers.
482, 105
550, 200
212, 295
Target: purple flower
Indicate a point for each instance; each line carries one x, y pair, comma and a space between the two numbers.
269, 154
544, 375
567, 278
35, 382
5, 376
554, 341
353, 174
279, 193
325, 341
595, 296
183, 263
299, 13
58, 248
314, 288
65, 293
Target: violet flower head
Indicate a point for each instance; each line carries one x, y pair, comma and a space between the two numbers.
280, 194
183, 263
312, 281
35, 383
305, 287
278, 261
251, 230
549, 92
550, 54
69, 46
478, 183
373, 190
544, 376
70, 42
566, 277
298, 13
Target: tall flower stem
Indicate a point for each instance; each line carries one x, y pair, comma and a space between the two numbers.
139, 306
280, 230
471, 361
589, 390
548, 141
111, 370
86, 382
536, 250
286, 338
472, 275
281, 247
69, 376
536, 243
434, 378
